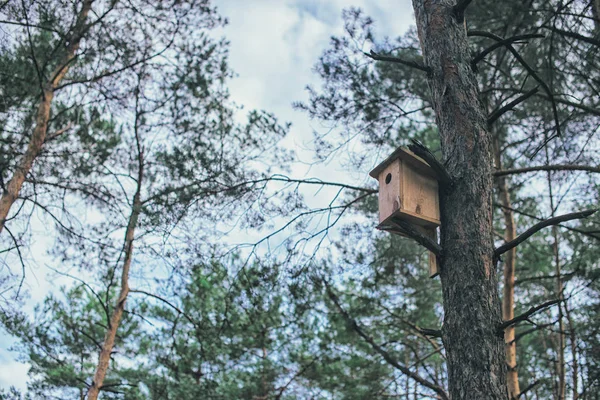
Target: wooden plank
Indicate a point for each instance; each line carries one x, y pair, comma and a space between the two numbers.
420, 196
433, 262
390, 181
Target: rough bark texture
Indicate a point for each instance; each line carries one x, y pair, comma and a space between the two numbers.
115, 319
508, 295
475, 352
38, 137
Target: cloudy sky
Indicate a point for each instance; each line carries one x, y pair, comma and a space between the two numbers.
274, 46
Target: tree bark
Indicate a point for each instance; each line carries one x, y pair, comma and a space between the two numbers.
36, 142
508, 295
115, 319
472, 312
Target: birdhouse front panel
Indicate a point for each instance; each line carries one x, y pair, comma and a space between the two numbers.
390, 187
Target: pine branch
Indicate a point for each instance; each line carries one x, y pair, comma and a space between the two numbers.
412, 64
539, 226
396, 225
508, 107
528, 68
387, 357
526, 315
442, 175
501, 43
559, 167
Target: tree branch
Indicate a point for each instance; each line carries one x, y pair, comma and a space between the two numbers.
527, 389
574, 35
559, 167
586, 233
412, 64
501, 43
406, 371
396, 225
460, 7
442, 175
528, 68
498, 113
539, 226
526, 315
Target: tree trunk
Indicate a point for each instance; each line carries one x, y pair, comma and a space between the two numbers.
573, 340
560, 350
508, 295
115, 319
472, 313
36, 143
560, 365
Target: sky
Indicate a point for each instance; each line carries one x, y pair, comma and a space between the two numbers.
274, 45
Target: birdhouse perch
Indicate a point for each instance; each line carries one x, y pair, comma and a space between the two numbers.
408, 191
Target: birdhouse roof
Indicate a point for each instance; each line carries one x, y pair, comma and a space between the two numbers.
411, 158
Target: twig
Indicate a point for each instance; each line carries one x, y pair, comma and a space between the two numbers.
397, 225
539, 226
442, 175
412, 64
498, 113
526, 315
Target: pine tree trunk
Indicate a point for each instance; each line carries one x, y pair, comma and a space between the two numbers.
36, 142
472, 312
575, 362
115, 319
508, 295
560, 365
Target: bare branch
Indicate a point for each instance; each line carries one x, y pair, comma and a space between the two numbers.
526, 315
559, 167
539, 226
412, 64
59, 132
387, 357
586, 233
396, 225
574, 35
502, 110
419, 149
528, 388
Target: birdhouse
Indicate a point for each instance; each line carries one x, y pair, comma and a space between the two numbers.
408, 191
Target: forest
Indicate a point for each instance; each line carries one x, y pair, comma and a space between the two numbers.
193, 252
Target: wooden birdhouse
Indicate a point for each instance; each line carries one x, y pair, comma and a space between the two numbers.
408, 192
